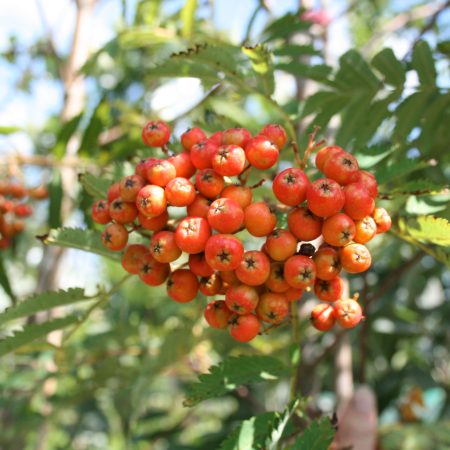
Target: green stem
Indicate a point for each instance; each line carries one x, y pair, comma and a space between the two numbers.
102, 298
295, 357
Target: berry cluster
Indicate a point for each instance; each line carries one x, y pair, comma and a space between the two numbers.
257, 285
14, 207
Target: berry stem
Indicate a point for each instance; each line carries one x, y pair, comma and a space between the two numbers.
165, 150
259, 183
297, 158
312, 147
243, 176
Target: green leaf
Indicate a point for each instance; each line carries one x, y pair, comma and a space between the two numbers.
188, 18
370, 156
318, 72
231, 373
284, 27
97, 187
33, 332
390, 67
427, 229
423, 63
294, 50
4, 281
393, 171
318, 436
97, 122
259, 432
261, 62
86, 240
427, 204
414, 187
43, 302
55, 203
9, 129
65, 133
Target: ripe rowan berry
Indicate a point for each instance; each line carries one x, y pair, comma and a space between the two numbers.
261, 153
325, 197
322, 317
245, 327
229, 277
272, 307
132, 257
152, 272
192, 234
275, 133
338, 230
348, 313
341, 167
236, 136
259, 219
141, 167
241, 299
156, 133
242, 195
281, 244
183, 165
304, 225
209, 183
180, 192
100, 212
329, 290
23, 210
276, 281
325, 153
156, 223
199, 207
115, 236
201, 154
358, 202
366, 229
216, 137
355, 258
290, 186
163, 247
160, 172
191, 137
382, 219
254, 268
151, 201
300, 271
199, 266
367, 180
224, 252
225, 216
217, 314
211, 285
228, 160
293, 294
122, 212
113, 192
182, 286
130, 187
327, 263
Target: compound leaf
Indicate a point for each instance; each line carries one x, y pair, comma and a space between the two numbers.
317, 436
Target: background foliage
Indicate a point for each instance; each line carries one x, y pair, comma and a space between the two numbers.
127, 360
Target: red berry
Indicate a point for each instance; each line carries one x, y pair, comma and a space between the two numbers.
225, 216
241, 299
160, 172
199, 266
224, 252
132, 257
290, 186
300, 271
156, 223
217, 314
281, 245
327, 263
366, 229
276, 281
182, 286
348, 313
163, 247
244, 328
325, 153
276, 134
272, 307
191, 137
211, 285
122, 212
261, 153
151, 201
329, 290
358, 202
254, 268
304, 225
199, 207
325, 197
367, 180
156, 133
192, 234
201, 154
338, 230
115, 237
322, 317
228, 160
382, 219
217, 137
100, 212
130, 187
355, 258
236, 136
341, 167
259, 219
240, 194
183, 165
293, 294
229, 277
180, 192
25, 210
141, 167
113, 192
152, 272
209, 183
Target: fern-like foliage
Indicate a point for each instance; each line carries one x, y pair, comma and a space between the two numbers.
43, 302
33, 332
95, 186
426, 229
87, 240
317, 436
231, 373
